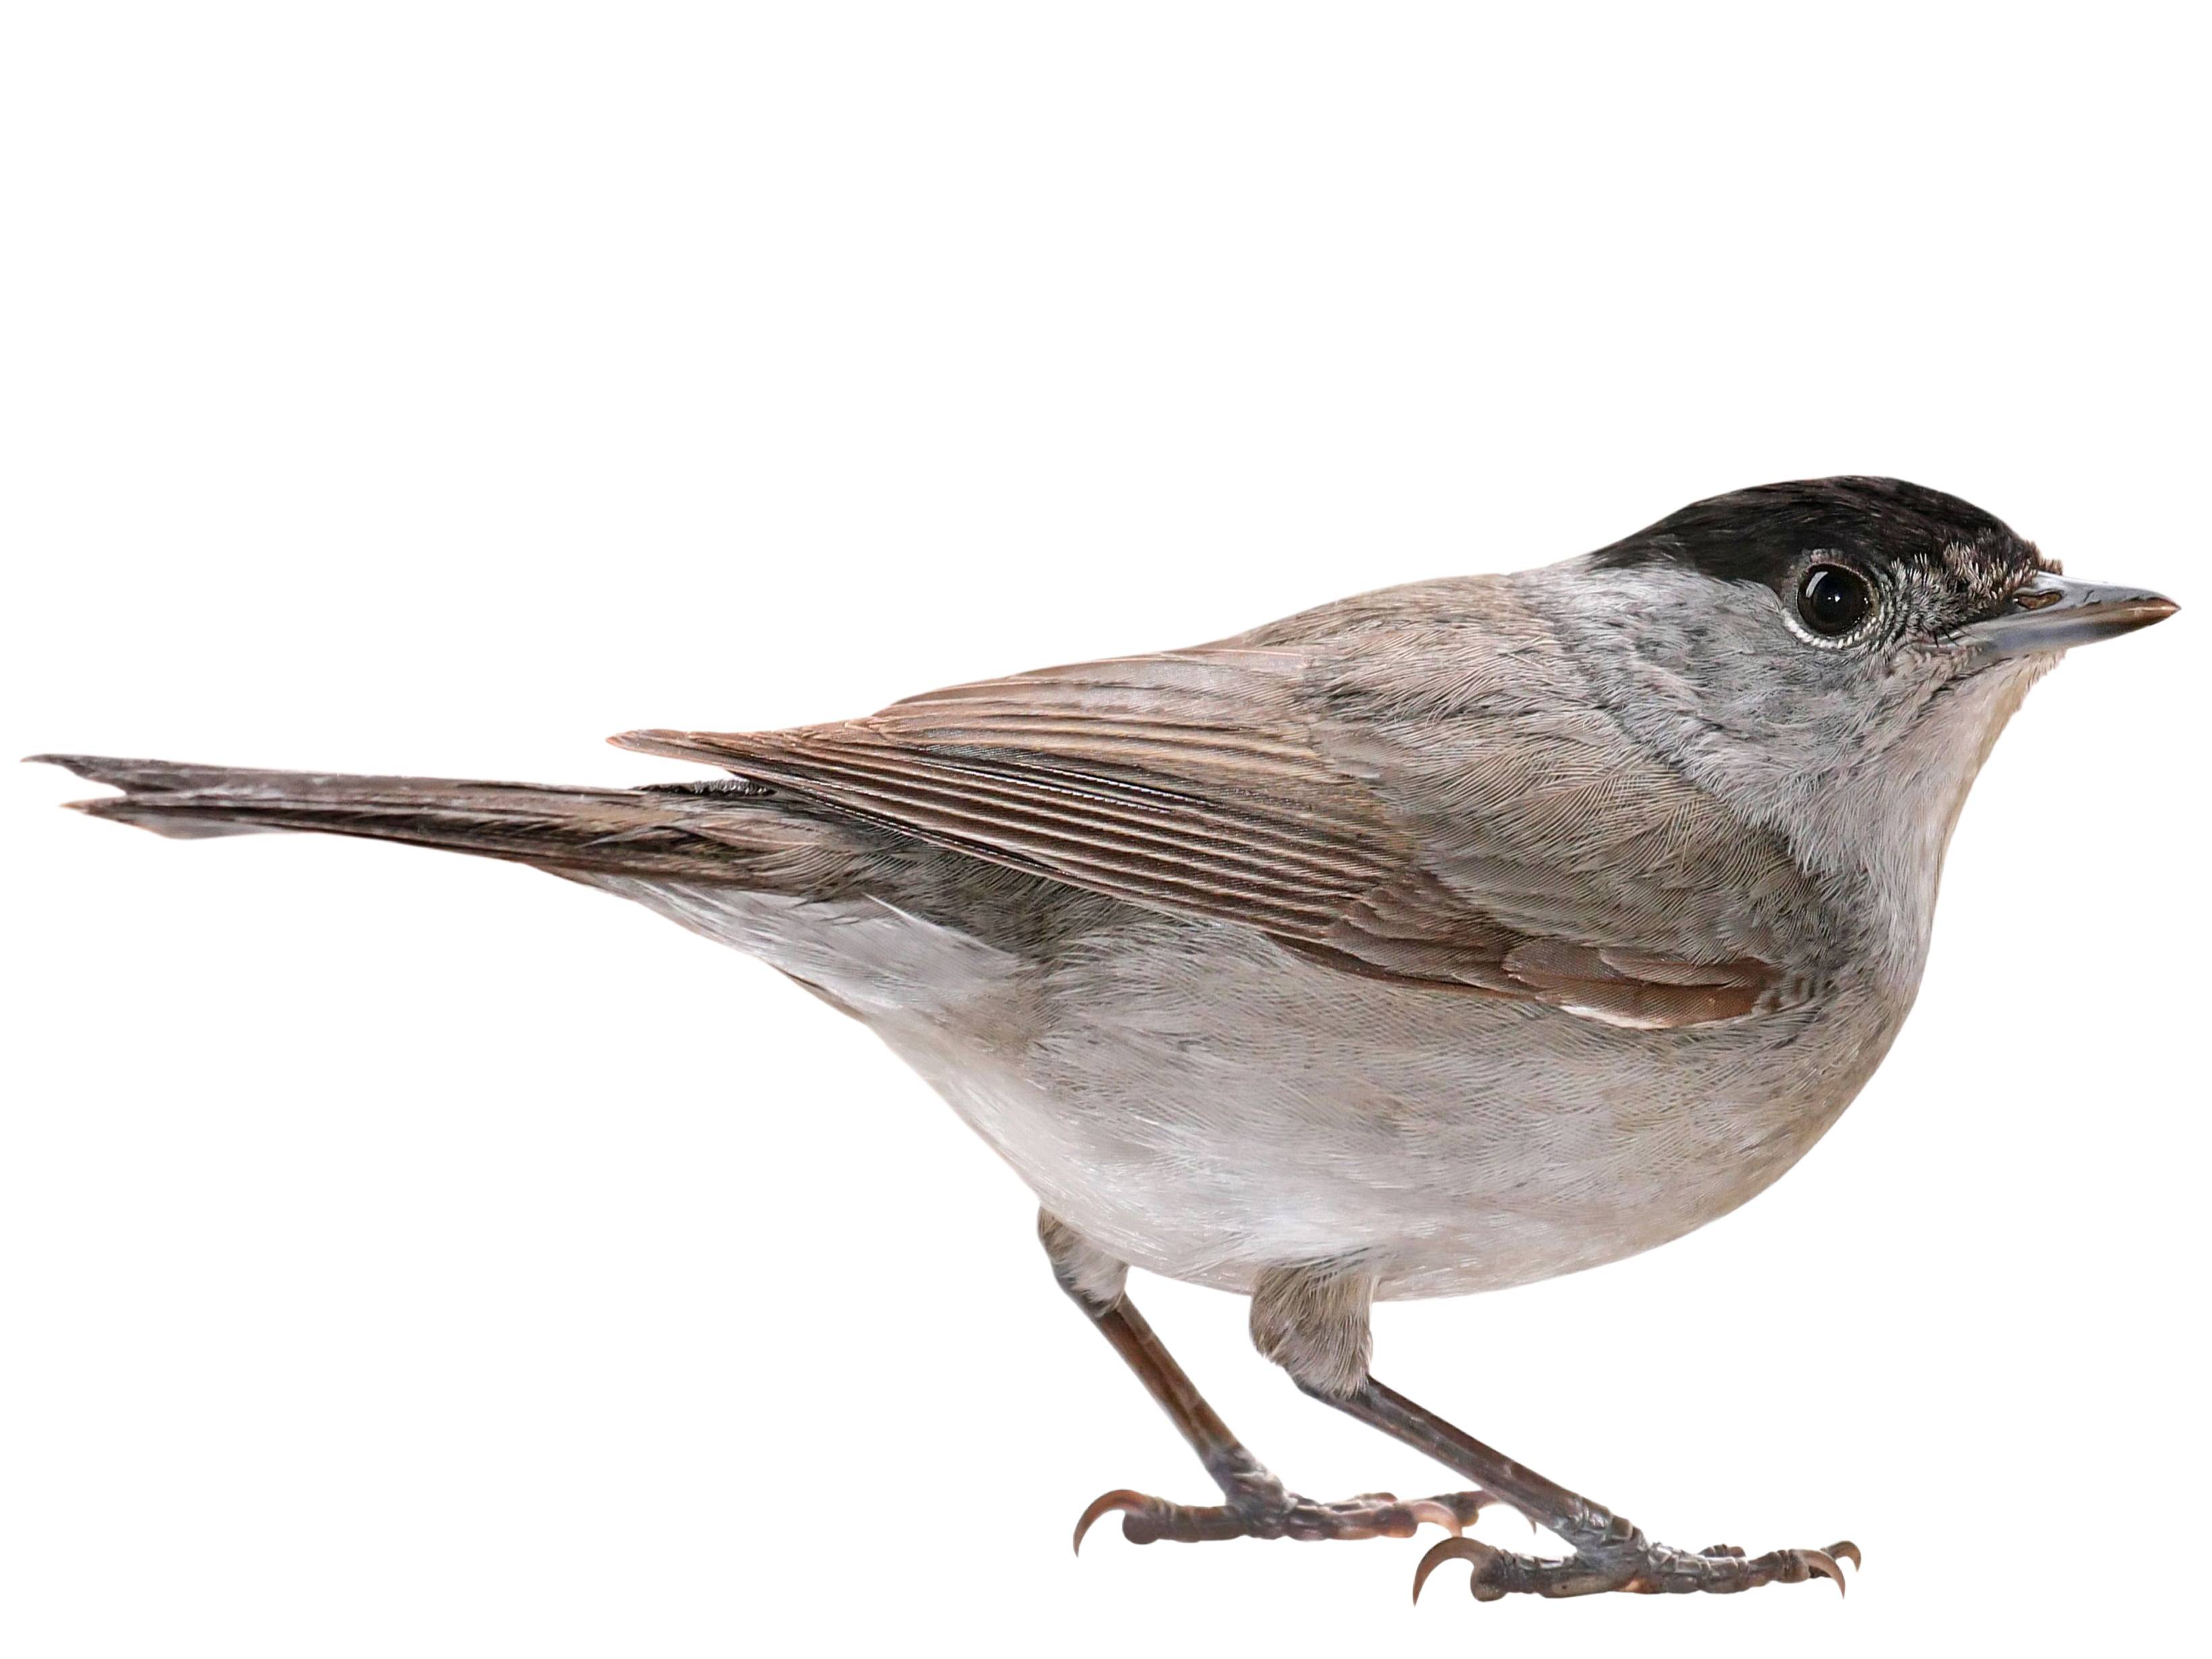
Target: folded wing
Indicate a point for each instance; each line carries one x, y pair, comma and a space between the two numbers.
1403, 792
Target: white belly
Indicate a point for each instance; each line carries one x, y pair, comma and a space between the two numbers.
1200, 1103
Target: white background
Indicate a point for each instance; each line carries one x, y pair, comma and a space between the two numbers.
400, 1254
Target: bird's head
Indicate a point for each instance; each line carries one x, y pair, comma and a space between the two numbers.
1835, 648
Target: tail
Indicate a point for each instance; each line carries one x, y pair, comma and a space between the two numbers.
707, 832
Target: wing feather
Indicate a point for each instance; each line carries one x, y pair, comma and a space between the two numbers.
1426, 803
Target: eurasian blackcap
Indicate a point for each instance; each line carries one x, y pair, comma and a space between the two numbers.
1446, 937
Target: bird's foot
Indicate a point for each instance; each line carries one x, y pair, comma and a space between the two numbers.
1263, 1508
1616, 1556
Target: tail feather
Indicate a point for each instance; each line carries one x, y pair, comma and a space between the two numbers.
703, 833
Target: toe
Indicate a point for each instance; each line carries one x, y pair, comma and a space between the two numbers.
1444, 1515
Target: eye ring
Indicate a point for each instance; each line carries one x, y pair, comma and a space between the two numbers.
1834, 600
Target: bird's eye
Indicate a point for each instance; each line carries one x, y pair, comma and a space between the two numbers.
1833, 600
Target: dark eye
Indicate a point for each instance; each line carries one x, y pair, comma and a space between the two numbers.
1833, 600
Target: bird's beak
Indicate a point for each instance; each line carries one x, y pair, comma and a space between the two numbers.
2051, 613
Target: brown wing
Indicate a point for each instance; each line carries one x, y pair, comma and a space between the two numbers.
1317, 788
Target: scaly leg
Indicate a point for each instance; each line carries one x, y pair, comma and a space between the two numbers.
1257, 1504
1609, 1553
1313, 1322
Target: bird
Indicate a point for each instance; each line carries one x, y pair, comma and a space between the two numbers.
1443, 938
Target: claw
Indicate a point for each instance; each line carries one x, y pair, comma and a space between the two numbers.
1457, 1549
1823, 1564
1106, 1503
1847, 1551
1442, 1515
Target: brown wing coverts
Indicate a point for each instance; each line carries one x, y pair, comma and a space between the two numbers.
1129, 778
1284, 787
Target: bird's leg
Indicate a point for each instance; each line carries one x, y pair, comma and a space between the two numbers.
1610, 1552
1256, 1504
1313, 1322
